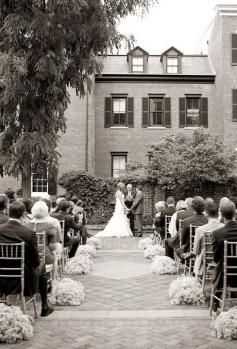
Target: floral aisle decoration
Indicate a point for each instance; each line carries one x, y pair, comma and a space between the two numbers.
144, 243
154, 250
86, 250
186, 290
14, 325
95, 242
81, 264
67, 292
163, 265
225, 325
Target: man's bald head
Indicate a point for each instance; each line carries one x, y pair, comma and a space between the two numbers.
228, 210
129, 186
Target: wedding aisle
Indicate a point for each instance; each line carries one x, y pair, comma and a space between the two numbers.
126, 306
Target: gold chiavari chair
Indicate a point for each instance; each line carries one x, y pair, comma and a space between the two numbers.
230, 271
167, 223
65, 250
190, 263
207, 260
14, 254
176, 257
41, 249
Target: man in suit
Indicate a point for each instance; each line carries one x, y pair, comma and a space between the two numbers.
198, 219
129, 199
137, 209
63, 215
168, 211
3, 209
35, 274
229, 233
81, 214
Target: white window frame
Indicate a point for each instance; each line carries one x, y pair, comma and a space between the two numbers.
119, 112
138, 67
39, 193
118, 155
172, 68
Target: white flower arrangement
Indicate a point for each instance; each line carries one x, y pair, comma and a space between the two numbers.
95, 242
163, 265
225, 325
86, 250
186, 290
14, 325
144, 243
67, 292
154, 250
81, 264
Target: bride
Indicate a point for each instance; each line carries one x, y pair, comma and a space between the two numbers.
118, 225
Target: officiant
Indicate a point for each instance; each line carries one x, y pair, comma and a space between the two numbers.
129, 198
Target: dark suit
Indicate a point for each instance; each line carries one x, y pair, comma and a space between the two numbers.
3, 218
196, 219
137, 210
15, 232
229, 233
69, 224
168, 211
129, 199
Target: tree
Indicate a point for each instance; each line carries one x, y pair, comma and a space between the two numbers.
186, 162
46, 45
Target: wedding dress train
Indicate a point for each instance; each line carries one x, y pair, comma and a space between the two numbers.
118, 225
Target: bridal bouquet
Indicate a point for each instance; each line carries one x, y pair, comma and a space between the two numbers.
154, 250
225, 325
144, 243
186, 290
67, 292
14, 325
163, 265
80, 264
95, 242
88, 250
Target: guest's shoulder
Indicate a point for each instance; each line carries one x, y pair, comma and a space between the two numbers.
219, 231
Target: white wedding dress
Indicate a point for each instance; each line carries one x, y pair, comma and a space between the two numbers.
118, 226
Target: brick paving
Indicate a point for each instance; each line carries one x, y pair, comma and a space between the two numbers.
134, 312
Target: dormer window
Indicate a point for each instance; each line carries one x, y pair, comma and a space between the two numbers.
172, 65
172, 61
137, 60
137, 64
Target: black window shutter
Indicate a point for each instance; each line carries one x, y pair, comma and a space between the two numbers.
234, 48
234, 105
108, 111
145, 112
182, 112
167, 113
204, 112
52, 181
130, 112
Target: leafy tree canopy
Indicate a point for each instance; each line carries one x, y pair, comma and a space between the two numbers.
46, 45
187, 161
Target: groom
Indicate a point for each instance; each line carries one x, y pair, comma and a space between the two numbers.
137, 210
129, 199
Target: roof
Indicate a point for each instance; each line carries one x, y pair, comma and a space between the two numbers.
172, 48
191, 65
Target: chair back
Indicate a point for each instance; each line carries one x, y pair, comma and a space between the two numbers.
167, 223
181, 221
14, 255
62, 225
192, 232
207, 256
41, 245
230, 263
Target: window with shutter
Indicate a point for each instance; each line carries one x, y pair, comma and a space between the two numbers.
119, 112
234, 49
234, 105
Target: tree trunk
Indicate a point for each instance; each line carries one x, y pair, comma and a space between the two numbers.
26, 180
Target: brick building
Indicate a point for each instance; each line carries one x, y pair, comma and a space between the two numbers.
139, 98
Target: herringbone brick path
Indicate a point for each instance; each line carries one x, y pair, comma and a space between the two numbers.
118, 313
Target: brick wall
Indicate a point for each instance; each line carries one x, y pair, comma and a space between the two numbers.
136, 141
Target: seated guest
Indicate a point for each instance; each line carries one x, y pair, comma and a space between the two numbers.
79, 210
180, 206
19, 193
198, 218
10, 193
158, 223
227, 232
183, 214
40, 223
3, 209
170, 209
59, 199
198, 249
28, 205
35, 275
63, 214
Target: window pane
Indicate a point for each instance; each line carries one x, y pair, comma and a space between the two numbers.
119, 105
119, 163
193, 112
137, 60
